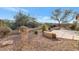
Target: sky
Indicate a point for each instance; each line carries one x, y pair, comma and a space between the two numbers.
42, 14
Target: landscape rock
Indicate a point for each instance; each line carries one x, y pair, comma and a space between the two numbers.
49, 35
6, 42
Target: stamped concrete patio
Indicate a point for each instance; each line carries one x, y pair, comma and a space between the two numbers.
67, 34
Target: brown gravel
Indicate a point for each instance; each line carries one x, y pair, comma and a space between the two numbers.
40, 43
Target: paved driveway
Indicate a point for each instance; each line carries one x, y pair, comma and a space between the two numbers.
68, 34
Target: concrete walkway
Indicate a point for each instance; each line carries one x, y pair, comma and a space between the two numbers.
68, 34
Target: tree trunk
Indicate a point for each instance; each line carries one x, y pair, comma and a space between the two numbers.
59, 24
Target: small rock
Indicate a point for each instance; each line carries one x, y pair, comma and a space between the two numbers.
6, 42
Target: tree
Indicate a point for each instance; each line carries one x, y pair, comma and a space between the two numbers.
21, 19
33, 24
62, 16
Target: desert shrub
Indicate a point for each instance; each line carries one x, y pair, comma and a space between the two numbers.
22, 29
72, 27
50, 29
44, 27
77, 28
4, 31
2, 23
33, 24
35, 32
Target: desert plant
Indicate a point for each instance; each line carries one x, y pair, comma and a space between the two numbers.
77, 26
63, 16
32, 24
22, 29
44, 27
72, 27
4, 31
22, 19
2, 23
10, 23
35, 32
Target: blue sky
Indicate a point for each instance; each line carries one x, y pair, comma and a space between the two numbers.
41, 13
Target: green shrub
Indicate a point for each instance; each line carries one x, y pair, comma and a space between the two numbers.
35, 32
44, 28
2, 23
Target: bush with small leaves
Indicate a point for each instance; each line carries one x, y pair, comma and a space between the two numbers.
22, 28
44, 27
35, 32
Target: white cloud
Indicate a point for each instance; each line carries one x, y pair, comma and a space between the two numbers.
16, 9
45, 19
11, 9
24, 10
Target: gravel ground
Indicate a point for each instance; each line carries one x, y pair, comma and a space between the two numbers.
40, 43
68, 34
